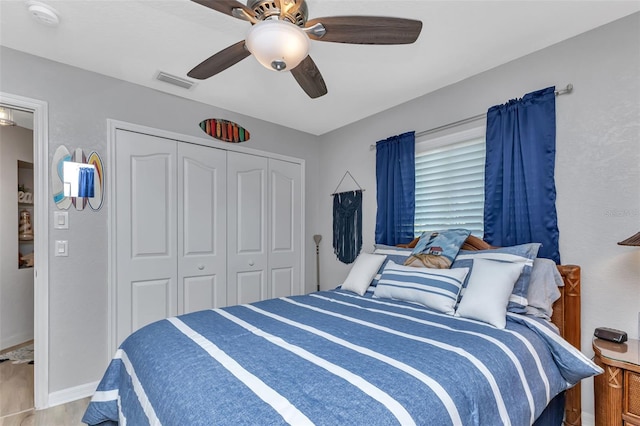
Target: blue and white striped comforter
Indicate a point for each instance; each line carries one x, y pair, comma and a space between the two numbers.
335, 358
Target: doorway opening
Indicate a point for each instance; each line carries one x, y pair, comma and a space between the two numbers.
17, 260
24, 274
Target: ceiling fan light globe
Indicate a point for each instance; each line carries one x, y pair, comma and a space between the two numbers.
277, 45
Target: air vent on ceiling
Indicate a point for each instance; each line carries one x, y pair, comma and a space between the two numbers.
176, 81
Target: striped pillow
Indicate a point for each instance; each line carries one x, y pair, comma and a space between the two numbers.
434, 288
524, 254
395, 254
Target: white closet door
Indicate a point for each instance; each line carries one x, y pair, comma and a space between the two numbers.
146, 230
202, 239
247, 274
285, 228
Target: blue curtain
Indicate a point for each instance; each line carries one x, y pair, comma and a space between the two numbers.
520, 191
85, 182
396, 186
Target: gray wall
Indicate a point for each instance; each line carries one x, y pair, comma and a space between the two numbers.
80, 103
597, 162
598, 178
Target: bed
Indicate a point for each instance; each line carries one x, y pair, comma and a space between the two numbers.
335, 357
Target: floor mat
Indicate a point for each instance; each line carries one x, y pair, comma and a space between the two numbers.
19, 356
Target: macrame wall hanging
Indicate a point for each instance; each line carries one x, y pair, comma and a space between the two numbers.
347, 222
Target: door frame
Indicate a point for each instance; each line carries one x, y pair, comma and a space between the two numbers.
40, 110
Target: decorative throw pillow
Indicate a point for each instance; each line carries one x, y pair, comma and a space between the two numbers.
521, 254
362, 272
396, 254
488, 290
437, 249
434, 288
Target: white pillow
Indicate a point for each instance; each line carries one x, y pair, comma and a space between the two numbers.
362, 272
487, 294
434, 288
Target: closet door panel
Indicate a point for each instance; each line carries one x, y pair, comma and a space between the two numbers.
249, 287
285, 228
203, 293
152, 302
247, 238
250, 234
283, 282
146, 231
151, 213
283, 199
202, 211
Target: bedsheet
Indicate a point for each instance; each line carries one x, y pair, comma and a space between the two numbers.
331, 358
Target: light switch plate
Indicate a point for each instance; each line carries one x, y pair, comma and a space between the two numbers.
61, 220
62, 248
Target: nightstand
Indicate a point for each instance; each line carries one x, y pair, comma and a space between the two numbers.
617, 390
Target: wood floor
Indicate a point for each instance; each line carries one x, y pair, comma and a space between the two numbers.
62, 415
16, 401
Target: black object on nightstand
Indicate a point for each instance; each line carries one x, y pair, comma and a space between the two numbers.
610, 334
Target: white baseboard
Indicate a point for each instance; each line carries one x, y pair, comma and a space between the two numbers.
16, 339
72, 394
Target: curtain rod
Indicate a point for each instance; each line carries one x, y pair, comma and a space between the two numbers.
568, 89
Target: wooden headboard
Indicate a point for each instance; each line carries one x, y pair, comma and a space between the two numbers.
566, 316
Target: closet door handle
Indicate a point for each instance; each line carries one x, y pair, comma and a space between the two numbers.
251, 263
201, 267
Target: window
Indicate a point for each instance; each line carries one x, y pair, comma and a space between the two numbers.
450, 182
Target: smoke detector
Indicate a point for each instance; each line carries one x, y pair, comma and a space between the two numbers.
43, 13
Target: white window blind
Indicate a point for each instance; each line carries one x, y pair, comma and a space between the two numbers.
450, 186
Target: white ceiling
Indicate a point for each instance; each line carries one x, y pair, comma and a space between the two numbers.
133, 40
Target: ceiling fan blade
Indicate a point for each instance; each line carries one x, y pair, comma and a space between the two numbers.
309, 78
220, 61
225, 6
367, 29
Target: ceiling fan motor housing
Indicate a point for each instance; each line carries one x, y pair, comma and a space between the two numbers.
268, 9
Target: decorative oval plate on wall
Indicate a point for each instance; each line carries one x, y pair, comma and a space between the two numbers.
98, 183
61, 155
224, 130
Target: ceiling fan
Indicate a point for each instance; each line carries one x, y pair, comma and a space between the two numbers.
280, 33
